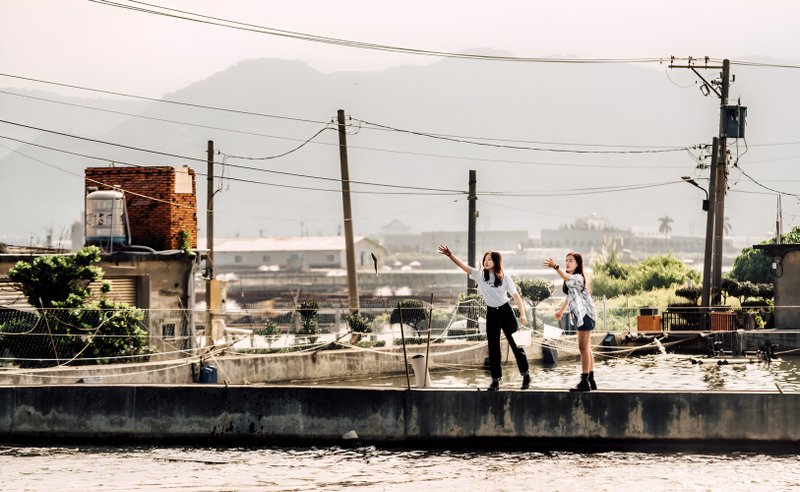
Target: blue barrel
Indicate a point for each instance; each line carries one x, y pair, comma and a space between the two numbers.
208, 375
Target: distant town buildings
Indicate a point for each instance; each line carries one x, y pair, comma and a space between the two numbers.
293, 253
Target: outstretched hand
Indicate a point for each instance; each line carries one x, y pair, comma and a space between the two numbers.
549, 263
444, 250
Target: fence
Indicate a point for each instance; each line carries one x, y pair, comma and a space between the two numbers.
68, 337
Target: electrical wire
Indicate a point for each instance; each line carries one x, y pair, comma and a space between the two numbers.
147, 8
250, 181
195, 159
165, 101
390, 129
521, 147
277, 156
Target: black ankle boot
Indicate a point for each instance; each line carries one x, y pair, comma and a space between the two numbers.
583, 385
495, 386
592, 384
526, 381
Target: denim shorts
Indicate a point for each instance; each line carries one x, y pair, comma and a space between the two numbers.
588, 324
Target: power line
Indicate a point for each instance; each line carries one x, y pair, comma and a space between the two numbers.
277, 156
433, 191
382, 128
189, 158
242, 180
152, 118
243, 26
165, 101
372, 149
580, 191
520, 147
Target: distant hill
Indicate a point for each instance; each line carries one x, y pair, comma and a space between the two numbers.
544, 103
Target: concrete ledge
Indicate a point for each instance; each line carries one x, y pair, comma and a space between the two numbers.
281, 414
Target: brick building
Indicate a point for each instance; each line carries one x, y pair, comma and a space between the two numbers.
161, 202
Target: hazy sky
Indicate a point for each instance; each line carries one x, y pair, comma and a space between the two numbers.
82, 42
90, 44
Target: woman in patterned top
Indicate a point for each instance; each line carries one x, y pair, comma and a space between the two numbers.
495, 287
582, 313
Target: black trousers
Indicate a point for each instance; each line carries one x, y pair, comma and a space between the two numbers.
502, 318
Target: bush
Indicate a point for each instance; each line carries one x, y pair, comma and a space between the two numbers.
308, 313
78, 331
691, 293
359, 323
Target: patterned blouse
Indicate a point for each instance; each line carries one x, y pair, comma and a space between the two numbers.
579, 301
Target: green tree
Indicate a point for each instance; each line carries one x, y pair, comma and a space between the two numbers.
611, 278
413, 313
359, 323
755, 266
690, 293
664, 225
535, 291
308, 314
661, 271
78, 329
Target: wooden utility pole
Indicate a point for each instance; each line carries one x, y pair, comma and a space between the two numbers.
721, 186
715, 226
709, 251
352, 279
472, 287
210, 211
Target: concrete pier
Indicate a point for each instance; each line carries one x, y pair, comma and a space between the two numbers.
263, 415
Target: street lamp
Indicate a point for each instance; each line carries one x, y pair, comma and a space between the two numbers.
692, 182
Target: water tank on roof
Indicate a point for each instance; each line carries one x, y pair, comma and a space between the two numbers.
106, 220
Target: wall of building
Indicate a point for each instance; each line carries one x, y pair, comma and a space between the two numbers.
296, 260
154, 222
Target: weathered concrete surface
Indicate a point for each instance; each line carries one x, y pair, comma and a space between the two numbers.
263, 415
273, 368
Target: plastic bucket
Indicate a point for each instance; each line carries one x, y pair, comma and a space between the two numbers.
552, 333
522, 338
422, 378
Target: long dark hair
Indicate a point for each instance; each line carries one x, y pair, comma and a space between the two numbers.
578, 269
497, 259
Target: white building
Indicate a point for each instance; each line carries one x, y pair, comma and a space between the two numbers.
293, 253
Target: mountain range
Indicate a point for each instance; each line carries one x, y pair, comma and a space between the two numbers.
542, 158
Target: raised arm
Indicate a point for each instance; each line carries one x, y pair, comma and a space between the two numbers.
551, 263
443, 249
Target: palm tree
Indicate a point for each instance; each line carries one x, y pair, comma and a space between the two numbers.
664, 225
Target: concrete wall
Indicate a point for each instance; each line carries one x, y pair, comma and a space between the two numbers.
787, 291
295, 415
786, 279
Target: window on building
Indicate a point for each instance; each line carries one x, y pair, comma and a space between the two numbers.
265, 259
238, 259
331, 258
168, 330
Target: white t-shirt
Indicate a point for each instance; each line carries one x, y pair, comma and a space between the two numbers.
493, 296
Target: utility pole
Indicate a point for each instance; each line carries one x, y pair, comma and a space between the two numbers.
721, 186
472, 287
352, 279
215, 289
210, 211
709, 251
731, 125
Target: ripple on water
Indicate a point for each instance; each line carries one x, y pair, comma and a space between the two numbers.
370, 468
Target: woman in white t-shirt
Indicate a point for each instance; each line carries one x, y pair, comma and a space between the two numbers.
495, 287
